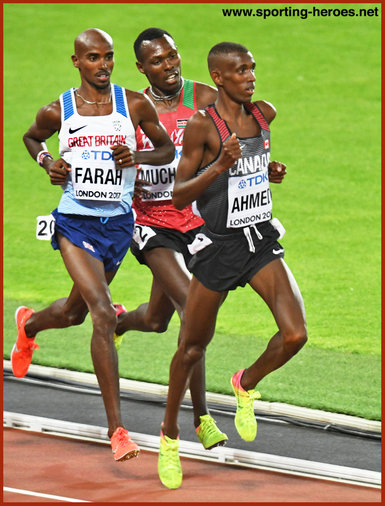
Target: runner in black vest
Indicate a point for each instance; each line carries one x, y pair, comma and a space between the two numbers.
224, 167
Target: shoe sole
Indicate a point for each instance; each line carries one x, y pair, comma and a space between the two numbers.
131, 454
13, 349
17, 312
14, 346
215, 445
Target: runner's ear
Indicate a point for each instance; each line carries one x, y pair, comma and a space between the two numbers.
139, 66
75, 60
216, 77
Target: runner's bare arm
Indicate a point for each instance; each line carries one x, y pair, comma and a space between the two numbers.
199, 137
277, 170
267, 109
47, 122
143, 113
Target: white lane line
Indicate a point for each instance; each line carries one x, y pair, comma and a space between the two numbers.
39, 494
224, 455
269, 408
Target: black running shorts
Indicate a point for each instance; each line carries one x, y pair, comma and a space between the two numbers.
229, 262
146, 238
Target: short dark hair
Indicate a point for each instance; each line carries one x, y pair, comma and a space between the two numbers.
224, 48
148, 34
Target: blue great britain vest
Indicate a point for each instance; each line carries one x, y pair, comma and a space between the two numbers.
94, 187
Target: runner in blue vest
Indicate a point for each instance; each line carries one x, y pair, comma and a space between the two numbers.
96, 124
225, 168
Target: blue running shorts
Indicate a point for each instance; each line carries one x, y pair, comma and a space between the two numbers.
106, 239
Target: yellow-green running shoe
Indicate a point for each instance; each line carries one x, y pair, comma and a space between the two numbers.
118, 341
245, 421
209, 434
169, 467
119, 309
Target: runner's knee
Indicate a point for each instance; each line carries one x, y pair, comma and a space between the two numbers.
295, 338
157, 325
152, 321
104, 317
74, 317
192, 354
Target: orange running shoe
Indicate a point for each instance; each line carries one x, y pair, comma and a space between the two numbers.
123, 447
22, 351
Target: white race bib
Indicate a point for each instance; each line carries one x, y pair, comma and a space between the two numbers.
162, 178
142, 234
94, 176
249, 200
45, 227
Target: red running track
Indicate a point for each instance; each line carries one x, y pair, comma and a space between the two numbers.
85, 471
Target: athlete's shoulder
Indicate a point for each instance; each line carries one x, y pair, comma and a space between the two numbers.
205, 94
200, 116
50, 112
140, 105
48, 118
136, 96
201, 87
199, 123
267, 109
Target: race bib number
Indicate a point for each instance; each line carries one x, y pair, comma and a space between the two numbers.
249, 200
45, 227
161, 178
94, 176
142, 234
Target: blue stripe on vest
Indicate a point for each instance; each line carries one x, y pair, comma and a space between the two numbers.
119, 100
68, 105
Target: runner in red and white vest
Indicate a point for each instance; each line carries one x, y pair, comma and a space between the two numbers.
162, 233
156, 209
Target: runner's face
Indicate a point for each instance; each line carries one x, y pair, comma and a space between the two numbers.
238, 77
95, 63
160, 62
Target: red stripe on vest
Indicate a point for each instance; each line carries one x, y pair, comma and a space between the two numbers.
222, 128
224, 132
257, 115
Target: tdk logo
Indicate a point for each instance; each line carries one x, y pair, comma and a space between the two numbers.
96, 155
253, 181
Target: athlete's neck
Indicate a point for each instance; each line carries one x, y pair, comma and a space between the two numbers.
97, 97
159, 96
